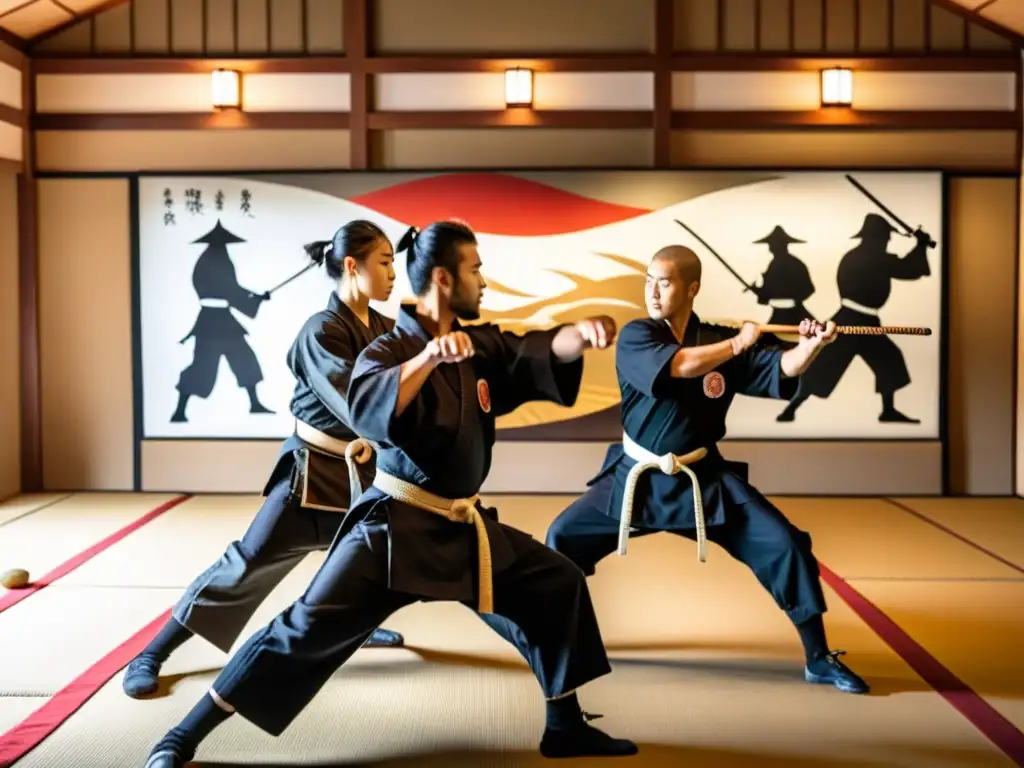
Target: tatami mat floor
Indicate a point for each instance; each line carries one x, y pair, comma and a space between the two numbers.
707, 671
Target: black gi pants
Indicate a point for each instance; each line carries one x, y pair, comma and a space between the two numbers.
541, 601
220, 602
755, 533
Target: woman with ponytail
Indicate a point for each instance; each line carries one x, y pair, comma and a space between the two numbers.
320, 472
428, 393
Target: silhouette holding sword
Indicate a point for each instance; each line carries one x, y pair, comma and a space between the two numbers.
786, 283
864, 280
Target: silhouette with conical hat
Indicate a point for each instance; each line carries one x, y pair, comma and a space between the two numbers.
216, 331
786, 283
864, 280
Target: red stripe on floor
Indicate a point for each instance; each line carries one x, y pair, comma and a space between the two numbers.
959, 537
15, 596
31, 731
957, 693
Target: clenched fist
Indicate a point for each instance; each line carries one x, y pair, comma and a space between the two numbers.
816, 334
597, 332
451, 348
746, 338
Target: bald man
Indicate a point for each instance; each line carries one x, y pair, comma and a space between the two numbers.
678, 376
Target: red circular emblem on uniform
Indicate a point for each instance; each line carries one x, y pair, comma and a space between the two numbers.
714, 384
483, 393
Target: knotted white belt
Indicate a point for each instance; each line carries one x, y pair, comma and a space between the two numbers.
670, 464
214, 303
782, 303
358, 451
456, 510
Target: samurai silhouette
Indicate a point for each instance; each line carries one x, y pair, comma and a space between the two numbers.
786, 283
216, 331
865, 280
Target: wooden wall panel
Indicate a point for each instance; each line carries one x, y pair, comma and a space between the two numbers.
85, 334
540, 26
187, 28
841, 25
514, 148
152, 25
947, 30
219, 150
982, 39
112, 30
980, 150
220, 25
10, 358
696, 25
325, 27
287, 27
874, 21
534, 26
739, 26
908, 28
774, 29
983, 306
252, 30
808, 27
207, 27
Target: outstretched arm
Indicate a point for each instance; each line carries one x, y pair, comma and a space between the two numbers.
593, 333
768, 372
538, 365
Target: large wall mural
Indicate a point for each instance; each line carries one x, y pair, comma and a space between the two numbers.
223, 285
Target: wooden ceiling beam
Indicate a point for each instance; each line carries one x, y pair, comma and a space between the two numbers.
680, 120
191, 121
162, 65
9, 40
66, 25
988, 62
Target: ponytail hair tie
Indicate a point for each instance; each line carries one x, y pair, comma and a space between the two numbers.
408, 241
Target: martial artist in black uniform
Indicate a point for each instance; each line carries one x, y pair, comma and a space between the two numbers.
429, 393
865, 280
678, 377
310, 488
